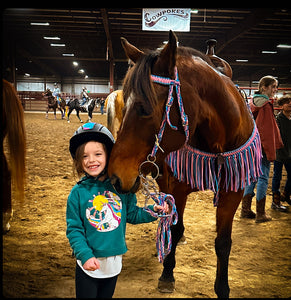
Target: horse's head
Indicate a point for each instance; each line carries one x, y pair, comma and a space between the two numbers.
48, 92
142, 114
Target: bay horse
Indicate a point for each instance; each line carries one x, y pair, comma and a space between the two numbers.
190, 119
114, 104
52, 103
14, 131
87, 107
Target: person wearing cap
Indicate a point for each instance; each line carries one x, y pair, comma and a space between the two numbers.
97, 215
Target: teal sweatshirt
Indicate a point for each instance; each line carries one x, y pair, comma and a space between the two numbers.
97, 216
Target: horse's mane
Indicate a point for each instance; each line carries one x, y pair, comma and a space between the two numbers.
137, 79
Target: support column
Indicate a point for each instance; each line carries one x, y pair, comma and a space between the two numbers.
111, 75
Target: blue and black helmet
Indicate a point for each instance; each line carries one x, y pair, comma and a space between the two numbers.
91, 132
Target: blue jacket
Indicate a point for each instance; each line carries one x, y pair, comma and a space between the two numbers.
96, 219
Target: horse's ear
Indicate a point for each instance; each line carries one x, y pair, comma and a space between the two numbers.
131, 51
169, 52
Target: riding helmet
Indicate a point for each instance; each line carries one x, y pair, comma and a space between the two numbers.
91, 132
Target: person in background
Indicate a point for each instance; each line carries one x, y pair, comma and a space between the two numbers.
84, 95
262, 109
283, 156
102, 102
57, 92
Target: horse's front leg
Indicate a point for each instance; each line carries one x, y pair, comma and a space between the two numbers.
227, 206
62, 112
166, 282
169, 184
68, 115
77, 113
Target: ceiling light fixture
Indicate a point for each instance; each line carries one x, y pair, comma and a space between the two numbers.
242, 60
268, 52
68, 54
40, 24
75, 64
56, 38
58, 45
284, 46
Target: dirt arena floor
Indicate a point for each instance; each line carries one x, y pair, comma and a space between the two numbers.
37, 260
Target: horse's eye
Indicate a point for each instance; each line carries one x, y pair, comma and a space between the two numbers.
141, 110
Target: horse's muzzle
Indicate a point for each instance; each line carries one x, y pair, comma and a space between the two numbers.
117, 183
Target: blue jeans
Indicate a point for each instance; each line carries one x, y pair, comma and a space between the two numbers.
278, 166
262, 183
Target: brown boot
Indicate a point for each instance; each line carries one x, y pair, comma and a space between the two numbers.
246, 204
276, 203
261, 214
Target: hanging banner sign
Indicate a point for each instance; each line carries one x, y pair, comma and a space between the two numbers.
165, 19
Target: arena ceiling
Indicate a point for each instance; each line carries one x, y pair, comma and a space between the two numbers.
247, 38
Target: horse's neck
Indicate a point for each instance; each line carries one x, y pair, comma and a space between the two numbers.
51, 99
222, 125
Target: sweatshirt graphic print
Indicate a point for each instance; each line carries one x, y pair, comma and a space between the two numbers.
104, 211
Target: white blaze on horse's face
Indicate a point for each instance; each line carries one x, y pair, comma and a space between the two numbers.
128, 104
129, 101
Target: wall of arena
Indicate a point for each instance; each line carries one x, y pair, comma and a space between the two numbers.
30, 89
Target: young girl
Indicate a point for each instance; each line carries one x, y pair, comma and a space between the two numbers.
262, 109
97, 214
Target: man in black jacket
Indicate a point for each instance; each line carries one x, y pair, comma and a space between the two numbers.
283, 156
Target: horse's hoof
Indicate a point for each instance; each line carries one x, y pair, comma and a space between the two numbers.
166, 286
182, 241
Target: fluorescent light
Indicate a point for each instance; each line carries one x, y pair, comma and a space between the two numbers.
194, 11
68, 54
284, 46
242, 60
75, 63
40, 24
51, 38
81, 71
26, 75
58, 45
268, 52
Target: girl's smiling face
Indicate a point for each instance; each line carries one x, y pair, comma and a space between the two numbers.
94, 158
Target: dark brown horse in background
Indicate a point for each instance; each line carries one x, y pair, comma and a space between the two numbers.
14, 131
53, 104
219, 121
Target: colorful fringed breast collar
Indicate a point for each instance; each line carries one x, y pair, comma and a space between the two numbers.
203, 170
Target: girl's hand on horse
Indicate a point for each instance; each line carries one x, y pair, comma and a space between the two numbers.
166, 208
91, 264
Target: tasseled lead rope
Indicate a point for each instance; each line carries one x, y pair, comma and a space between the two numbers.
163, 237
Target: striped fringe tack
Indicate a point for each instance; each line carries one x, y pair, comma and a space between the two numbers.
203, 170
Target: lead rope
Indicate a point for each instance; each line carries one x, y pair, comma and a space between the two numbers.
164, 236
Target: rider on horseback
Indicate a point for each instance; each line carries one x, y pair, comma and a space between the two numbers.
57, 92
84, 96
